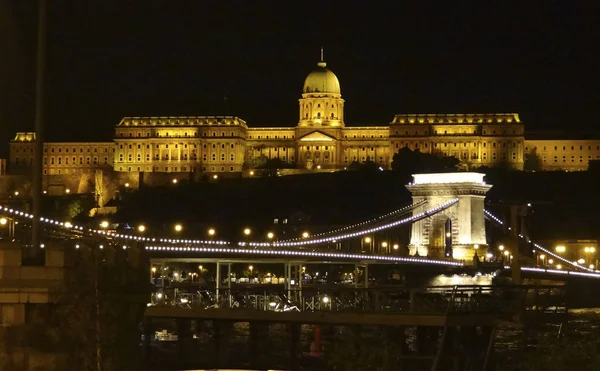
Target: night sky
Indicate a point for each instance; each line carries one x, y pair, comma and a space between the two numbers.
108, 59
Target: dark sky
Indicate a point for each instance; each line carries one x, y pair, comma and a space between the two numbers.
110, 58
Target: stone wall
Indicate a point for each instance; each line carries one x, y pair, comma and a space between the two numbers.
25, 293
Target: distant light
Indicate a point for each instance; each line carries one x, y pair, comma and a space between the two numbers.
305, 235
68, 225
558, 266
475, 246
501, 247
42, 246
104, 224
67, 190
16, 193
3, 221
318, 167
325, 299
178, 227
215, 176
368, 239
247, 231
45, 192
126, 185
581, 261
211, 232
560, 248
448, 234
380, 168
270, 235
175, 180
396, 246
384, 244
529, 204
251, 172
506, 253
141, 228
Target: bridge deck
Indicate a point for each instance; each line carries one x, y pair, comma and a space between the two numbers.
323, 317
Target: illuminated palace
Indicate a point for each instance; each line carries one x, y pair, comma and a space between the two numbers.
320, 140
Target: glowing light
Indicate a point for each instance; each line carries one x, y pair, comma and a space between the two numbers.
558, 266
141, 228
305, 235
251, 172
175, 181
270, 235
104, 224
211, 232
16, 193
368, 239
475, 247
542, 256
560, 248
445, 178
448, 234
384, 244
501, 247
325, 299
178, 227
3, 221
550, 261
67, 190
126, 185
153, 269
396, 246
215, 176
581, 261
68, 225
506, 253
247, 231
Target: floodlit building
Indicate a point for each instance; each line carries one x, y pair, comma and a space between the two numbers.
320, 140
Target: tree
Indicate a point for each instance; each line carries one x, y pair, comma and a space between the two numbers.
533, 162
255, 162
103, 301
367, 166
408, 162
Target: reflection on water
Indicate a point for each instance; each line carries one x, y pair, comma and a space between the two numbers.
270, 344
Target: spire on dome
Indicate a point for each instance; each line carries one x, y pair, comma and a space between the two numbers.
322, 63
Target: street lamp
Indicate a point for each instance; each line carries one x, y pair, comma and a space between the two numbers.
141, 228
270, 235
251, 269
368, 239
247, 231
396, 246
104, 224
305, 235
3, 221
211, 232
501, 247
178, 227
175, 181
561, 248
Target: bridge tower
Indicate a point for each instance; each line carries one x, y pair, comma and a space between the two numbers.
454, 232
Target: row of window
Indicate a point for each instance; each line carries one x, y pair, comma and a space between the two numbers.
176, 146
564, 148
452, 132
176, 135
184, 157
175, 169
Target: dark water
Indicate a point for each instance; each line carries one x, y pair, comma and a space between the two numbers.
240, 348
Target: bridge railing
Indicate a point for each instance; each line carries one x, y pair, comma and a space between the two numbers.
448, 300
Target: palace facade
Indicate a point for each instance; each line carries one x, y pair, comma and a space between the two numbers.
319, 141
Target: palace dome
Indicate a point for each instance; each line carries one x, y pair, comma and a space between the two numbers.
322, 80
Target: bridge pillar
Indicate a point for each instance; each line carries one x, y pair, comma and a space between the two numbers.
463, 224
